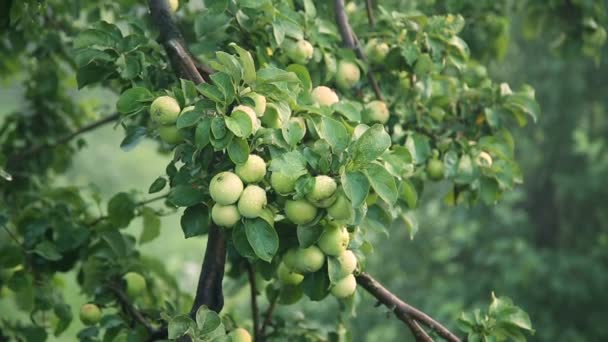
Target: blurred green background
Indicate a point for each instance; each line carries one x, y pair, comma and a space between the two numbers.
544, 245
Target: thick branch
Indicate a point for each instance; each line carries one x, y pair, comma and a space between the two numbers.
400, 308
254, 302
350, 41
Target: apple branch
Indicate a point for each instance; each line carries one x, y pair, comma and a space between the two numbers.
209, 288
369, 8
403, 310
350, 41
254, 302
124, 301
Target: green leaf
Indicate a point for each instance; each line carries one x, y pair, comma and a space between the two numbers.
224, 82
419, 147
189, 118
151, 225
133, 100
382, 182
94, 38
308, 235
121, 210
211, 92
408, 193
179, 326
238, 151
370, 145
134, 135
247, 63
202, 132
195, 221
241, 244
158, 184
47, 250
293, 132
356, 187
291, 163
185, 195
349, 109
262, 238
523, 104
316, 285
207, 321
333, 269
334, 132
239, 123
410, 223
303, 74
64, 315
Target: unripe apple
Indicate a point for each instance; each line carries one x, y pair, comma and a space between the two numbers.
164, 110
90, 314
289, 258
308, 260
225, 188
300, 211
341, 209
240, 335
170, 134
345, 287
434, 169
300, 51
484, 159
376, 112
271, 118
324, 96
174, 4
225, 215
282, 183
255, 122
288, 276
348, 262
323, 188
260, 103
252, 201
376, 51
300, 121
334, 240
348, 74
136, 284
253, 170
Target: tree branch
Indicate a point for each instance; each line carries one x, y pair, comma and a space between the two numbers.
209, 289
130, 309
400, 308
254, 302
268, 318
370, 12
350, 41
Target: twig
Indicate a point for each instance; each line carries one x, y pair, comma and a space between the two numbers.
130, 309
350, 41
17, 157
401, 308
14, 237
419, 334
370, 13
254, 302
268, 317
137, 205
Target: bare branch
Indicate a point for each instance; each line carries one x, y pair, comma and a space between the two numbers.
254, 302
401, 308
350, 41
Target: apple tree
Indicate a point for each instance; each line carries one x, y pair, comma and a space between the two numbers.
297, 131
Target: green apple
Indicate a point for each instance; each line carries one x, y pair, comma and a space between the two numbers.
376, 51
225, 188
334, 240
136, 284
323, 188
90, 314
484, 159
255, 122
174, 4
308, 260
170, 134
253, 170
164, 110
324, 96
272, 118
348, 74
288, 276
348, 262
376, 112
300, 121
252, 201
289, 258
260, 103
300, 211
300, 51
225, 215
344, 287
434, 169
240, 335
282, 183
342, 209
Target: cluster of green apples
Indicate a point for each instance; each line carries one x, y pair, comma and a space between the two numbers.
164, 111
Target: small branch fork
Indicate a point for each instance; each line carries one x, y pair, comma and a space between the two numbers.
350, 41
405, 312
